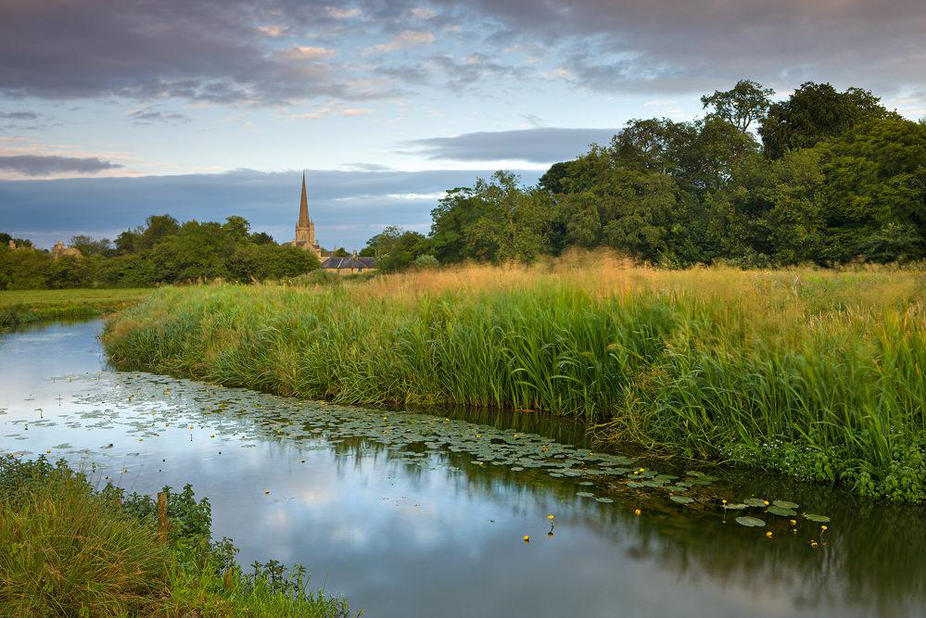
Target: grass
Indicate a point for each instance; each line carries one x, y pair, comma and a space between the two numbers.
69, 550
18, 307
817, 374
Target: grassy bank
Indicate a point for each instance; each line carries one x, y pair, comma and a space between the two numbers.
68, 550
18, 307
817, 374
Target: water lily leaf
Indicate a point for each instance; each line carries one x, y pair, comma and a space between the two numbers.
781, 511
739, 506
585, 494
785, 504
750, 522
605, 500
681, 499
820, 519
754, 502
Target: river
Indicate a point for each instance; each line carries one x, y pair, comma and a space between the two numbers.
413, 514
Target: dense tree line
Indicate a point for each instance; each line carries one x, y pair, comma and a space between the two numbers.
163, 251
830, 177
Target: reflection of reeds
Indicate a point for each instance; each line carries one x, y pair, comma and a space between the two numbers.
817, 373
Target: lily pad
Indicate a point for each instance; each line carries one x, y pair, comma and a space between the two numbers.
785, 504
739, 506
750, 522
605, 500
585, 494
681, 499
781, 511
754, 502
820, 519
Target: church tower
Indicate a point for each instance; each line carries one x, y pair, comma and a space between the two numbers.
305, 228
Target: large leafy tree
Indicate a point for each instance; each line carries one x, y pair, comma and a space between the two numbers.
815, 112
876, 191
741, 106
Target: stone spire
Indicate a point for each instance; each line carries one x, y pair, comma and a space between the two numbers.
303, 207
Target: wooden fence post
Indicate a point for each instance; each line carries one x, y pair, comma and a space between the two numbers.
163, 523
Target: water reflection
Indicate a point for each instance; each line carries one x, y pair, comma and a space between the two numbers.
406, 522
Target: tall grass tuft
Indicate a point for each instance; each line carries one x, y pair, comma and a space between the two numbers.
67, 549
815, 373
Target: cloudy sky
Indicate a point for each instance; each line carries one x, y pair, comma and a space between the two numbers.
111, 110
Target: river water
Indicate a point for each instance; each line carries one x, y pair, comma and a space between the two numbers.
411, 514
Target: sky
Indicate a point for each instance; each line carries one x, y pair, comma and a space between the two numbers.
113, 110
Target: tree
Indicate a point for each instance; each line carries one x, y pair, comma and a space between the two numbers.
90, 246
875, 177
747, 102
813, 113
158, 227
395, 249
262, 238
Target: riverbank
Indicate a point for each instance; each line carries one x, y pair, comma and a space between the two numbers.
815, 374
75, 550
20, 307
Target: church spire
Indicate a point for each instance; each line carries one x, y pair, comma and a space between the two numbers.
303, 207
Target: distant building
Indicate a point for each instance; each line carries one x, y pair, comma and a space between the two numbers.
305, 228
60, 251
350, 264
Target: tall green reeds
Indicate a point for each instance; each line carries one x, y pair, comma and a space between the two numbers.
818, 374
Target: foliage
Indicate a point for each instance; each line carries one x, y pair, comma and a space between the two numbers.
747, 102
705, 363
813, 113
395, 249
164, 251
836, 179
71, 550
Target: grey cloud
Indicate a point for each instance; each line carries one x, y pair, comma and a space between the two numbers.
347, 206
149, 116
43, 165
18, 116
664, 45
210, 51
537, 145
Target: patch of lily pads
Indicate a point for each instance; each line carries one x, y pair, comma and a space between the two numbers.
144, 404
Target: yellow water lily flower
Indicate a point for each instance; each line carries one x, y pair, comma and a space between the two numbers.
769, 534
527, 539
551, 517
637, 512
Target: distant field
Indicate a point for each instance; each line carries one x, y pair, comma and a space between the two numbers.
57, 297
29, 306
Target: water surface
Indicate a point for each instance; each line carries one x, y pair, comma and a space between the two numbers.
411, 514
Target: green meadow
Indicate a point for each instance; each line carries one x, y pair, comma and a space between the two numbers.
817, 374
19, 307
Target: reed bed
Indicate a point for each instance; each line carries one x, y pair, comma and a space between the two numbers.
818, 374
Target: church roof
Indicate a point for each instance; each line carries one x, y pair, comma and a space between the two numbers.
303, 207
341, 263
